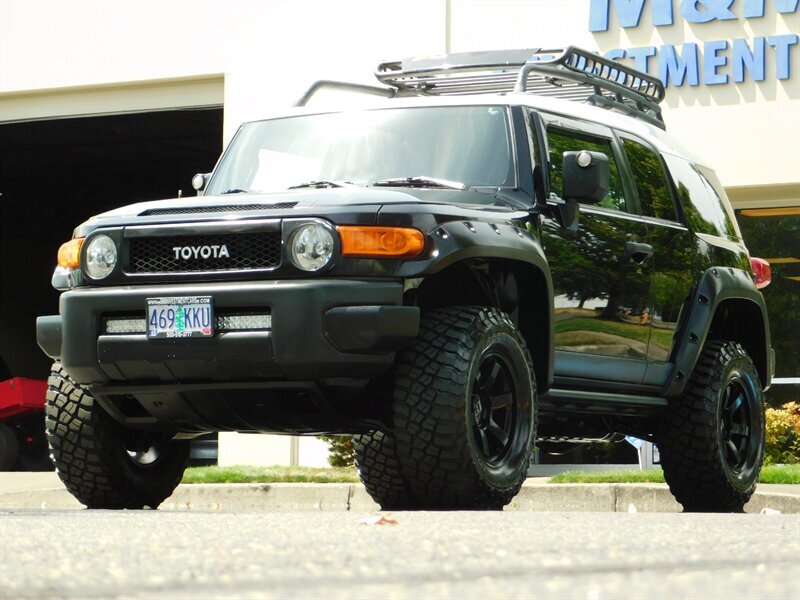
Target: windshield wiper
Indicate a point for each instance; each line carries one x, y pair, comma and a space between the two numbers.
421, 181
236, 191
321, 183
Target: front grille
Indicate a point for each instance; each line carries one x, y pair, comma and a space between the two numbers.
242, 252
215, 208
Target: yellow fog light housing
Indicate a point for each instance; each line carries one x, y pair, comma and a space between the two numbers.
69, 254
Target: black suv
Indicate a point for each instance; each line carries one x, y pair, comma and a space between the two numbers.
474, 263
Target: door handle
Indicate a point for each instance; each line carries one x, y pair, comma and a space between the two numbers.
638, 251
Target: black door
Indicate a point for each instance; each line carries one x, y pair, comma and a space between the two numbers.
671, 272
601, 271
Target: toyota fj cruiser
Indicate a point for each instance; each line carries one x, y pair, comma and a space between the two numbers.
474, 263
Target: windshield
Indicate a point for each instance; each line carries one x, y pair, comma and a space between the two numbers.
465, 144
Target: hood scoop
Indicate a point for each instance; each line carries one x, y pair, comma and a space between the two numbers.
215, 208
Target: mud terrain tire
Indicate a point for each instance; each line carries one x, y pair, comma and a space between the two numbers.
465, 410
712, 438
103, 464
380, 471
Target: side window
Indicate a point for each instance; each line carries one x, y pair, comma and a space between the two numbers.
561, 140
651, 181
720, 198
705, 210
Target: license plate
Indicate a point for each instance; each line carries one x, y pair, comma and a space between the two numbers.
180, 317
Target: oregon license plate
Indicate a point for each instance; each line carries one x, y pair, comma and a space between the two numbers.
180, 317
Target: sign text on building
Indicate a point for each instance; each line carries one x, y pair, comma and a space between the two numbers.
719, 61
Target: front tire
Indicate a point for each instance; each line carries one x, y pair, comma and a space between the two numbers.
380, 472
712, 438
103, 464
465, 410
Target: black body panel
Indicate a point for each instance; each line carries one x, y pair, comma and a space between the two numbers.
296, 347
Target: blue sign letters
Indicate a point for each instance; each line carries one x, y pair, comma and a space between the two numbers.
719, 61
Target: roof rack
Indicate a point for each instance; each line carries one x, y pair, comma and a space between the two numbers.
570, 73
344, 86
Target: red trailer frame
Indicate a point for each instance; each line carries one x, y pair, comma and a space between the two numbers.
23, 444
20, 395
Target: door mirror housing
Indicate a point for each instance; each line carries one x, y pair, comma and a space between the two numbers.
199, 182
586, 176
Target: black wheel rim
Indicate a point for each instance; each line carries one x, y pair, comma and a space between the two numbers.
737, 427
493, 408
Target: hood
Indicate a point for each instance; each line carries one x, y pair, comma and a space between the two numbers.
301, 203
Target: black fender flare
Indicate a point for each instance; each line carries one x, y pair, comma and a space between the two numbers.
515, 242
718, 285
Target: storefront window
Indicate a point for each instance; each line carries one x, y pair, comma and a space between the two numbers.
774, 234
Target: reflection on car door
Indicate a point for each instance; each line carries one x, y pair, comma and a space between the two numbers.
601, 271
671, 270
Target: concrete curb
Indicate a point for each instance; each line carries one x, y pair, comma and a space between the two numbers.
534, 497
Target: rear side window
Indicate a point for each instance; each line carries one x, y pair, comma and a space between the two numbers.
720, 198
560, 141
704, 207
651, 181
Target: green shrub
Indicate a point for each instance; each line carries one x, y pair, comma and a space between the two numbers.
341, 450
783, 434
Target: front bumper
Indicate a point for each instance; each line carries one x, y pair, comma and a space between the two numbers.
320, 329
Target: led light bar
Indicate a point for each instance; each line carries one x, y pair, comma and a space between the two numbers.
243, 322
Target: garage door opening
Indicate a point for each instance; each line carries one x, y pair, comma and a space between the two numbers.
55, 174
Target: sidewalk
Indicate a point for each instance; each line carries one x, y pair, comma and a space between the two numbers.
45, 491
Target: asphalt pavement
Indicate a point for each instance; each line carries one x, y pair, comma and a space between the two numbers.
200, 554
45, 491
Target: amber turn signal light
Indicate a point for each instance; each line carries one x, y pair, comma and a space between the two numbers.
69, 254
391, 242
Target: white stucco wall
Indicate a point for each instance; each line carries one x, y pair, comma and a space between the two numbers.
269, 450
270, 51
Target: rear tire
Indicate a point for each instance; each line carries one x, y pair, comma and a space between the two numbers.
465, 410
712, 438
103, 464
380, 471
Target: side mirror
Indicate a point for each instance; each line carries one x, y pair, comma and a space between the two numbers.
586, 176
199, 182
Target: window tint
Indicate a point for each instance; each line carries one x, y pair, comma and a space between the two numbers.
720, 199
651, 182
704, 209
560, 141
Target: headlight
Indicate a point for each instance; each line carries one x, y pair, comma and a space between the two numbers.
101, 257
311, 247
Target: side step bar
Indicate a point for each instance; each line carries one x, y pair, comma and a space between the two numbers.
599, 403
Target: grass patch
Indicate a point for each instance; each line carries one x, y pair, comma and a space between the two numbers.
769, 474
780, 474
646, 476
248, 474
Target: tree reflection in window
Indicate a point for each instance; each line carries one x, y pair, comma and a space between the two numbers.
560, 141
651, 182
705, 210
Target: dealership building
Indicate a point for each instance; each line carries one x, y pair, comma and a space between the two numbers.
107, 103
